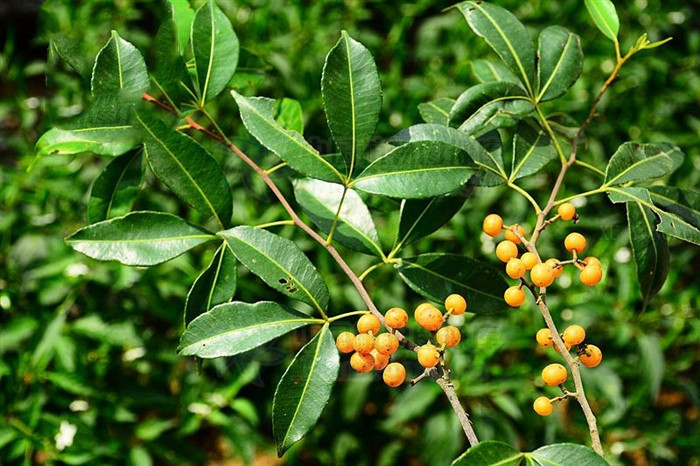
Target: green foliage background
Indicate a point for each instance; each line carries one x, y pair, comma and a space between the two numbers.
75, 329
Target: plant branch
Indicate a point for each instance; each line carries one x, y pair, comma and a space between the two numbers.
445, 384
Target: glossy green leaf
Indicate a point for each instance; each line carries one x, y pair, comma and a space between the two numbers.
565, 454
436, 111
187, 169
484, 107
304, 390
182, 15
215, 49
280, 263
289, 115
215, 285
635, 162
421, 217
352, 96
119, 70
490, 453
605, 17
651, 254
355, 228
234, 328
436, 276
258, 115
506, 36
560, 62
532, 150
417, 170
138, 238
114, 191
170, 74
487, 71
680, 202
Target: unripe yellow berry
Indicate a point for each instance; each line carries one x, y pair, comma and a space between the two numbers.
543, 406
506, 250
344, 342
368, 323
428, 355
554, 374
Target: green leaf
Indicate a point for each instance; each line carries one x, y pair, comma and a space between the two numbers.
139, 238
70, 50
436, 276
258, 113
487, 71
605, 17
683, 203
506, 36
215, 285
289, 115
250, 71
170, 74
417, 170
634, 162
421, 217
560, 62
651, 254
119, 70
215, 49
652, 363
352, 96
280, 263
437, 111
115, 190
484, 107
187, 169
304, 390
561, 454
672, 223
565, 454
182, 15
490, 453
234, 328
355, 228
532, 150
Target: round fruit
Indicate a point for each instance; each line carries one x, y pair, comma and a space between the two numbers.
506, 250
574, 334
493, 224
567, 345
364, 343
590, 260
529, 259
449, 336
396, 317
362, 362
386, 343
591, 275
543, 406
591, 356
515, 268
368, 323
380, 360
514, 296
556, 268
344, 342
428, 355
542, 275
544, 337
430, 318
554, 374
394, 374
575, 242
456, 304
510, 236
566, 211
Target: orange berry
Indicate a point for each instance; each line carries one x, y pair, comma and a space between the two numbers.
529, 259
364, 343
368, 323
344, 342
514, 296
386, 343
362, 362
544, 337
396, 317
421, 307
380, 360
429, 317
510, 236
567, 345
543, 406
566, 211
591, 356
590, 260
556, 268
493, 224
456, 303
542, 275
428, 355
515, 268
575, 242
449, 336
506, 250
394, 374
554, 374
591, 275
574, 334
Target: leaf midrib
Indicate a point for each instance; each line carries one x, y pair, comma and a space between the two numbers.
527, 156
448, 279
543, 91
638, 163
143, 240
408, 172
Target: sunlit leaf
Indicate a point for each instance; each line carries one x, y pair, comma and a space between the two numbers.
605, 17
635, 162
119, 70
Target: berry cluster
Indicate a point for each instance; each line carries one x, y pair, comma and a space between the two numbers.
373, 350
